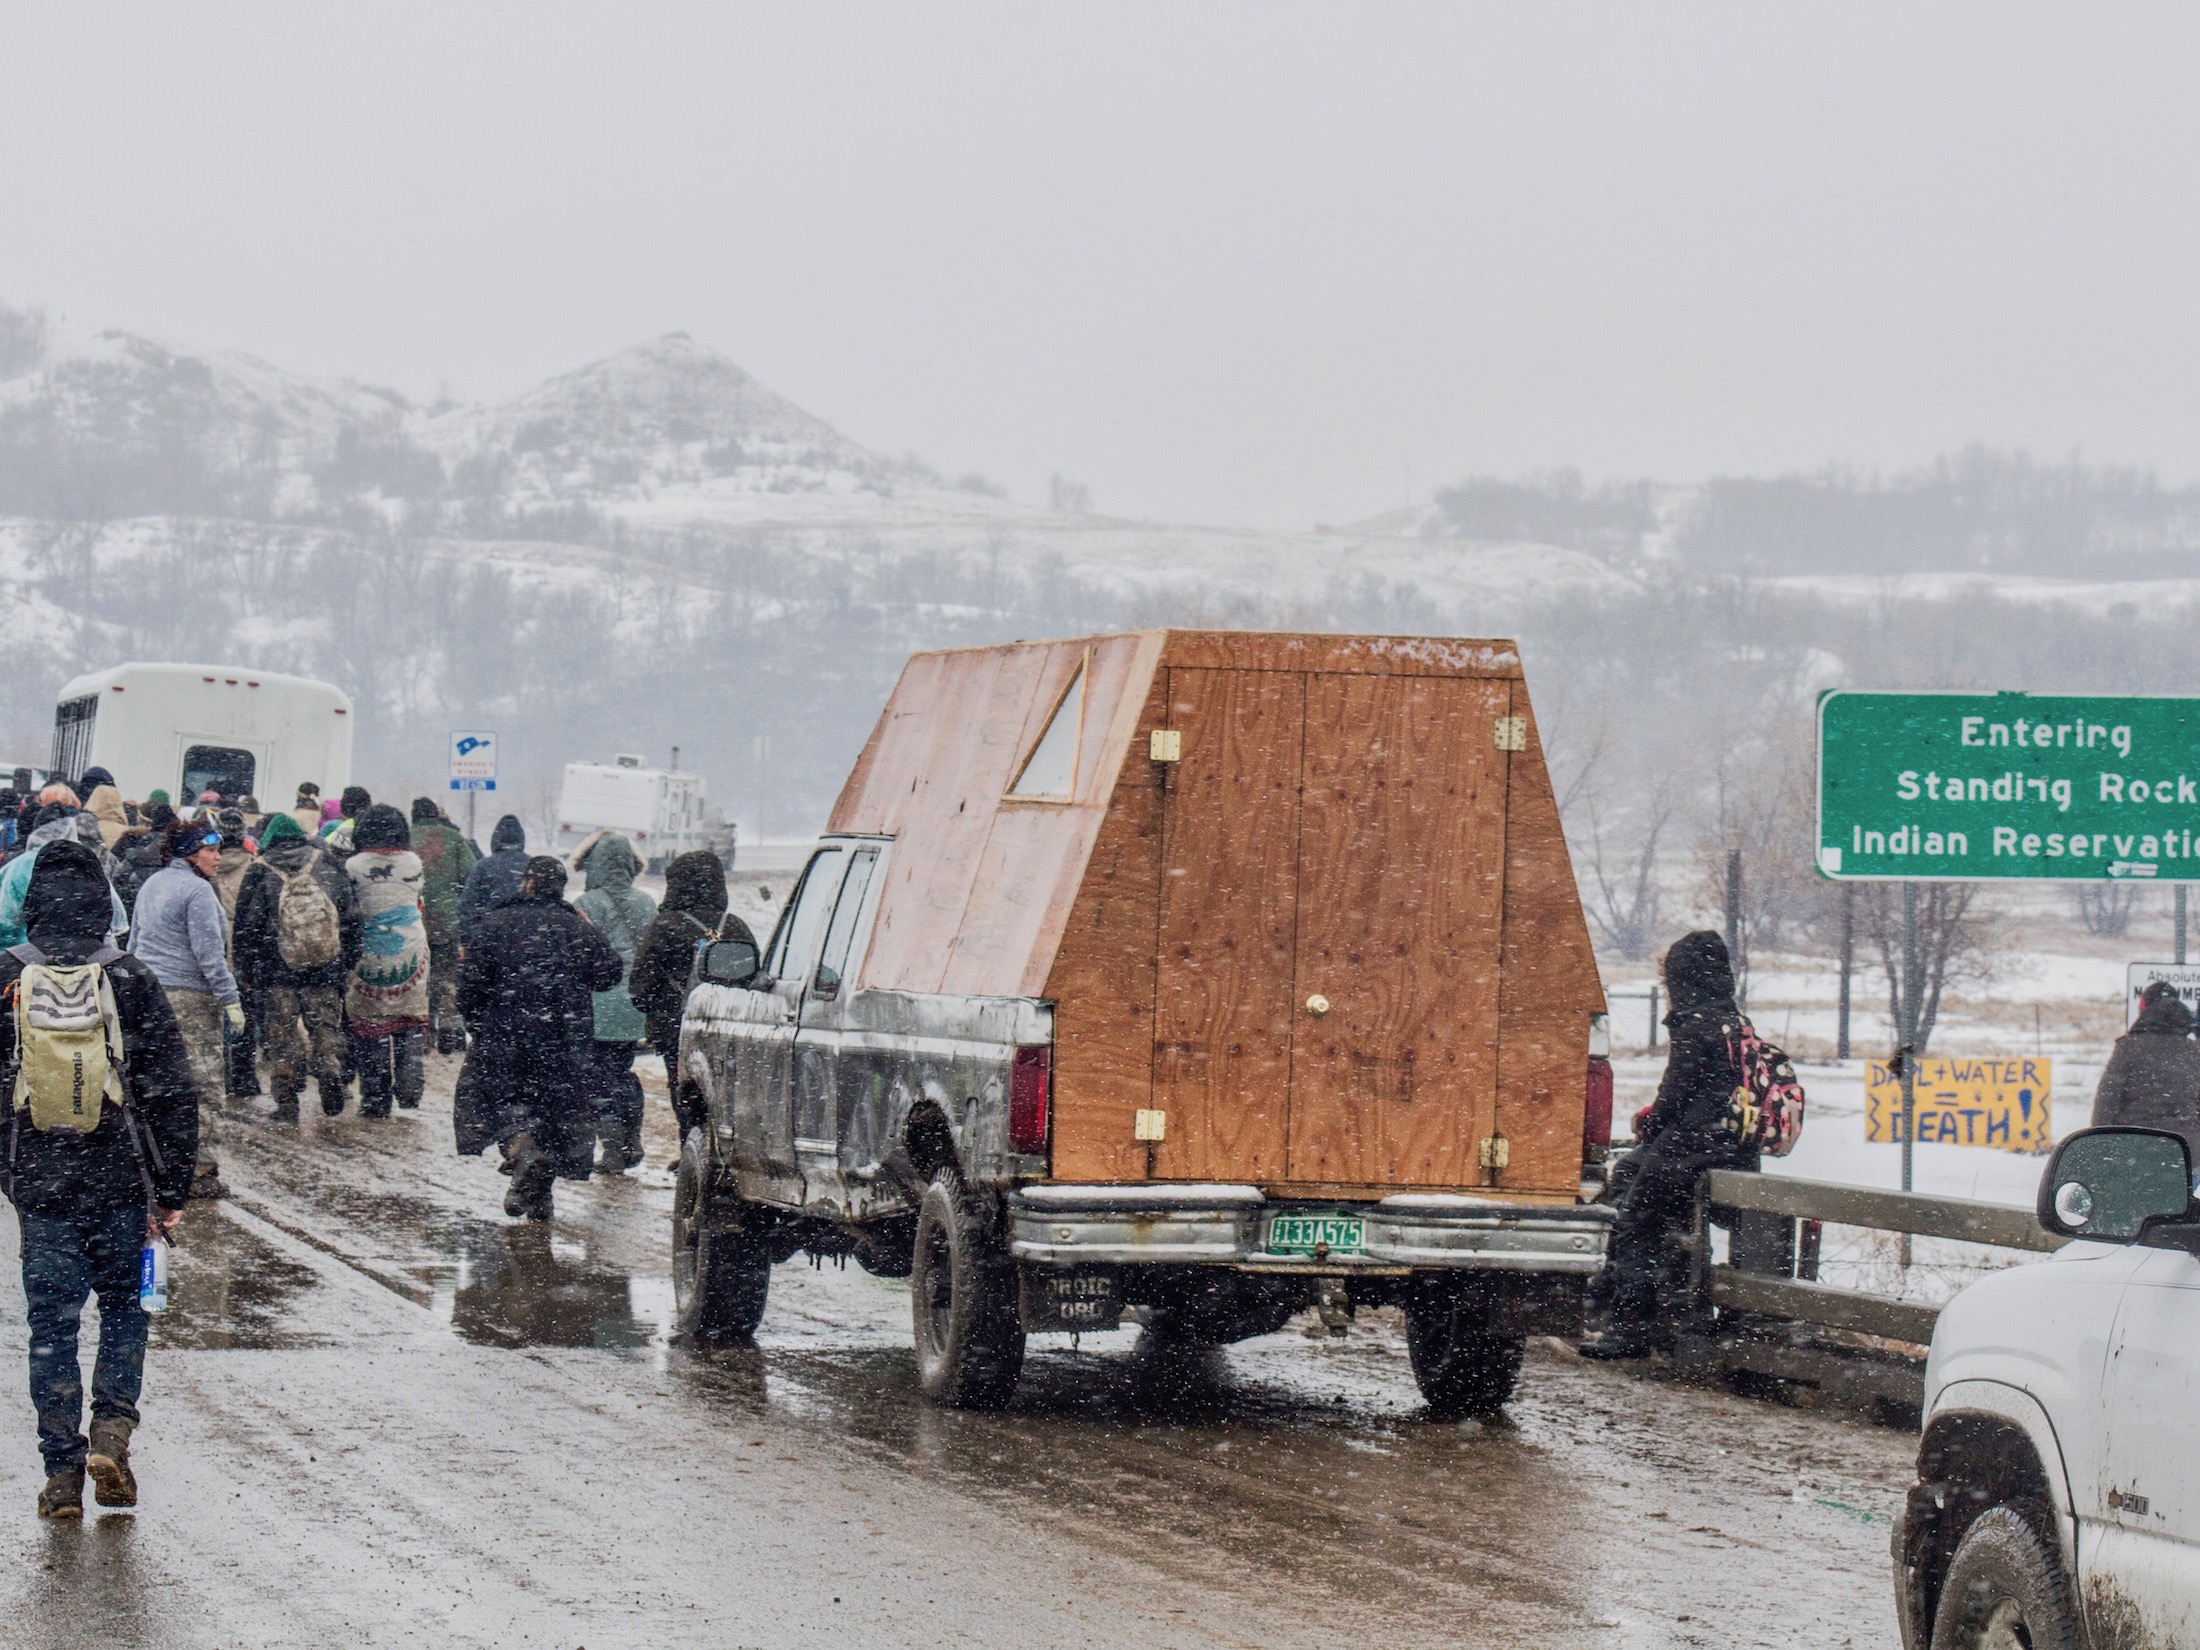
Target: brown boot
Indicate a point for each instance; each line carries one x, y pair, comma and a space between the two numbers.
109, 1464
63, 1496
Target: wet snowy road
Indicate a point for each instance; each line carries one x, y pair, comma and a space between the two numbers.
379, 1413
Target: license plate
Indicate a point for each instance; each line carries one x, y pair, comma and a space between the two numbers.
1309, 1234
1071, 1300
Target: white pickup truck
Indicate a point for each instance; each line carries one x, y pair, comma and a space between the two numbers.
2058, 1495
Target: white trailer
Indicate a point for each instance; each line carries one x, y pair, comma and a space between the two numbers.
664, 812
185, 729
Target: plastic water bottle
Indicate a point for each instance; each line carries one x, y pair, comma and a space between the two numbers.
153, 1276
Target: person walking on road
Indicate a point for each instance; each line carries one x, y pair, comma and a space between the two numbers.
1683, 1133
619, 911
57, 822
297, 941
387, 997
527, 988
446, 860
341, 831
657, 980
180, 934
90, 1184
236, 860
494, 881
2152, 1079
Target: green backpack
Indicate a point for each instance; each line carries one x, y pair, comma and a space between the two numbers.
68, 1040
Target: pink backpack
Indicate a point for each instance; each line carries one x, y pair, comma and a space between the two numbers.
1767, 1109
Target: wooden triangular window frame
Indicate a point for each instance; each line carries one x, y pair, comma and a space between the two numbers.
1076, 685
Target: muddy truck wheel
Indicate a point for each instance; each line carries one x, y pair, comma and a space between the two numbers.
2005, 1590
1460, 1368
962, 1297
720, 1274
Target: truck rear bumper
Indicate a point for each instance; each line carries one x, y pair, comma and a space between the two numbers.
1228, 1226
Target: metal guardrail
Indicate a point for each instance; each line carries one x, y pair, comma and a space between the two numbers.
1770, 1278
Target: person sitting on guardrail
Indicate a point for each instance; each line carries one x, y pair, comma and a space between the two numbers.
2152, 1079
1685, 1133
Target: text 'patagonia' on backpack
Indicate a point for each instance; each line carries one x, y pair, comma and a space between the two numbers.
68, 1045
1766, 1112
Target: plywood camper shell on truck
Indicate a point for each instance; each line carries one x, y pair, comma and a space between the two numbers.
1301, 904
1200, 975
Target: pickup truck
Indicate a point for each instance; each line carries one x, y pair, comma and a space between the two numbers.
1198, 976
2057, 1501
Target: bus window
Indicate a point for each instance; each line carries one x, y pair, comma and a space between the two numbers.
216, 768
72, 735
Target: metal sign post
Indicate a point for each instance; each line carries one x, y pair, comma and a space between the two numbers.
473, 767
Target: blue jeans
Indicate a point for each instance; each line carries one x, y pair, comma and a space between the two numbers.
64, 1261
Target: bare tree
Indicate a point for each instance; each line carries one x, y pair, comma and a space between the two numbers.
2104, 908
1955, 944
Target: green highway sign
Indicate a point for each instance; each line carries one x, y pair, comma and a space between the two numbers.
1964, 787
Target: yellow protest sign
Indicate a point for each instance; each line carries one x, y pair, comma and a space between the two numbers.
1999, 1103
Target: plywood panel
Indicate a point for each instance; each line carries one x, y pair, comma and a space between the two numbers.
960, 911
1036, 851
1449, 656
1550, 985
1222, 1022
1401, 868
1102, 981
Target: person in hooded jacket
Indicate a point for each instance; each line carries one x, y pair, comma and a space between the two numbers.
87, 1202
54, 822
621, 913
141, 848
695, 904
446, 860
494, 880
302, 1008
526, 989
387, 997
2152, 1079
1683, 1133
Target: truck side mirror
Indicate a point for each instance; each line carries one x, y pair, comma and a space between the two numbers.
730, 962
2110, 1184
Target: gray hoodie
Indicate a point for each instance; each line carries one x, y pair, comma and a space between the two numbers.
181, 935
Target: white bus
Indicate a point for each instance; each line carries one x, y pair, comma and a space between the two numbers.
185, 729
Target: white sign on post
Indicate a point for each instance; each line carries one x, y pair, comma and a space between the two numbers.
474, 760
2184, 976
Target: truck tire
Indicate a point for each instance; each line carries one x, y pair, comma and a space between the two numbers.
2005, 1586
962, 1299
1461, 1370
721, 1274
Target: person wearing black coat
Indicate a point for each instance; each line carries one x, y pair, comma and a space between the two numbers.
86, 1203
494, 879
526, 991
302, 1008
693, 908
2152, 1079
1683, 1133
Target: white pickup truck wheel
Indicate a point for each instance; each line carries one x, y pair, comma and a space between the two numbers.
962, 1297
720, 1274
2005, 1590
1460, 1369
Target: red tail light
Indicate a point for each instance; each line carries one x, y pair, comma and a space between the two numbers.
1031, 1099
1596, 1111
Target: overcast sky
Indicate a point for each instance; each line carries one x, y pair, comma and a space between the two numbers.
1265, 264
